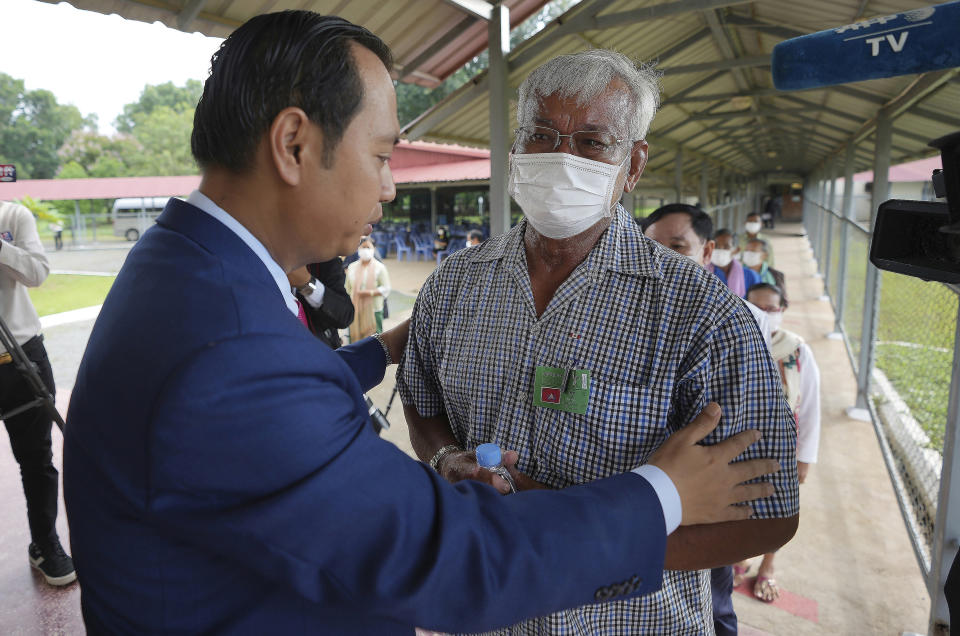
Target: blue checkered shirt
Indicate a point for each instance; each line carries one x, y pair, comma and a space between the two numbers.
661, 337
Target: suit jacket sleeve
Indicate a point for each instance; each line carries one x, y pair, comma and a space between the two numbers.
337, 309
246, 469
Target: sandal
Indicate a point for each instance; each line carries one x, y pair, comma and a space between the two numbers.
740, 571
766, 589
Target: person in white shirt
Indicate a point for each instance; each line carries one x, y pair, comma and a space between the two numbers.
801, 385
23, 264
368, 284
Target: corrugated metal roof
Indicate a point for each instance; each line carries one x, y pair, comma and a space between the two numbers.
430, 39
730, 119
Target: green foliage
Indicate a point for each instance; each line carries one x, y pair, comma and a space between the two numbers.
41, 210
33, 126
63, 292
164, 136
179, 99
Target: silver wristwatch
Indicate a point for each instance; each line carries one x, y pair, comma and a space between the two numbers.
308, 287
443, 452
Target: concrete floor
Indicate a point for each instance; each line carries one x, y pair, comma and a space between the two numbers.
849, 570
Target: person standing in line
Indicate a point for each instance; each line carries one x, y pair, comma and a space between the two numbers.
368, 284
734, 275
686, 230
755, 256
751, 231
23, 264
596, 342
801, 384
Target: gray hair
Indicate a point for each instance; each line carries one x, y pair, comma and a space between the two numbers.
586, 75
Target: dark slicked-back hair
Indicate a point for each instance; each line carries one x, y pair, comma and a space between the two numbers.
700, 221
274, 61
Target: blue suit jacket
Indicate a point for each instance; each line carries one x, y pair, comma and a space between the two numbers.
221, 475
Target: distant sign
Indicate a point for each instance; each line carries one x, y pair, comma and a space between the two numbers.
8, 172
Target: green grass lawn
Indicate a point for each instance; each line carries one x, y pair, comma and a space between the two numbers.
915, 333
916, 323
63, 292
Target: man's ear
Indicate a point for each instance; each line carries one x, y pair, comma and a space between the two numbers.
638, 161
708, 251
287, 138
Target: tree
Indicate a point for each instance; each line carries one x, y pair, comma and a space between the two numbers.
33, 126
179, 99
164, 136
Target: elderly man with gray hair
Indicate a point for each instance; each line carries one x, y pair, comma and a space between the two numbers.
581, 345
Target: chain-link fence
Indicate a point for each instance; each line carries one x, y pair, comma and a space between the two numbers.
913, 348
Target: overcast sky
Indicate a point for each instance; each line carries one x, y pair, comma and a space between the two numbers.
96, 62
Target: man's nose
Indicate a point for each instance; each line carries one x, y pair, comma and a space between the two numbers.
388, 190
566, 139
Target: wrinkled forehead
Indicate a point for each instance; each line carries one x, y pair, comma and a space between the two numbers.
607, 108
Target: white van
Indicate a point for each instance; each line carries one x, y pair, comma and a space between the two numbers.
132, 216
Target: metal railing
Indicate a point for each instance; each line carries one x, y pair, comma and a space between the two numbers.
911, 348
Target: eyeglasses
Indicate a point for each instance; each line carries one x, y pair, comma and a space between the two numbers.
590, 144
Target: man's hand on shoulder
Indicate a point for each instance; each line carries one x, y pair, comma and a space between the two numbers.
711, 488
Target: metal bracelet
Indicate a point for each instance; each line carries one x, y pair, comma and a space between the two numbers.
443, 452
386, 352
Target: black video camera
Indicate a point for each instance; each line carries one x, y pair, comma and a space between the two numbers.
922, 238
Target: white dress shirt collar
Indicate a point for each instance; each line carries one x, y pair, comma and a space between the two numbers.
200, 200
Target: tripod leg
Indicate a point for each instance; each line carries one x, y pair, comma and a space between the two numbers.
390, 403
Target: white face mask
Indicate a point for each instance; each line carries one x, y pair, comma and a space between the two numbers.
721, 258
774, 318
561, 194
752, 259
365, 253
752, 227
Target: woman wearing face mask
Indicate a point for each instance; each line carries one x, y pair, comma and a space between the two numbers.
734, 275
751, 232
368, 283
801, 386
755, 257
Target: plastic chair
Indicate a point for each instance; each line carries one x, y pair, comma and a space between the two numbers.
402, 249
422, 248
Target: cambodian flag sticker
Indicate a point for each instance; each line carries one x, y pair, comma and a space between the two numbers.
6, 236
550, 396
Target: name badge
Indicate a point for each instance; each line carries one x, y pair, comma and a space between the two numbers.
562, 389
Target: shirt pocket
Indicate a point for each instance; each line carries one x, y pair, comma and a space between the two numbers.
623, 425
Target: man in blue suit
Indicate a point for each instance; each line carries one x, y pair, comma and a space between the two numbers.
221, 473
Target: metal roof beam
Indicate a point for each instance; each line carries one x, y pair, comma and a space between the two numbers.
845, 115
189, 13
584, 17
699, 84
770, 29
448, 37
721, 65
474, 89
476, 8
685, 43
